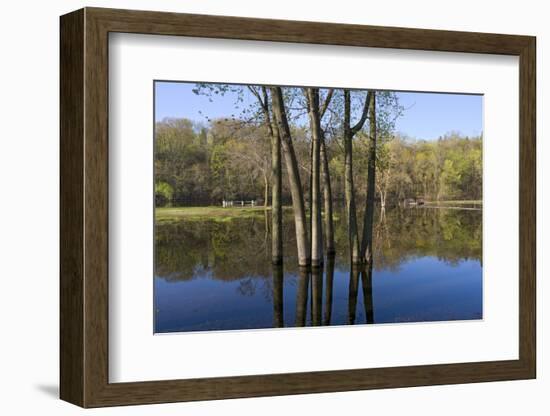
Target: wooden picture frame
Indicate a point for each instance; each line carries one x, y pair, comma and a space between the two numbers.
84, 207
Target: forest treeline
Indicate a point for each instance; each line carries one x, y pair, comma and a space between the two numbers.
198, 164
328, 144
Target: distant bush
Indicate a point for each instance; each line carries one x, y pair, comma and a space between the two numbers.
163, 193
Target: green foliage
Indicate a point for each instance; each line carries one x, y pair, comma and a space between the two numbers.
448, 168
227, 160
163, 193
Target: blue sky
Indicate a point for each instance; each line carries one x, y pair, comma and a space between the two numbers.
427, 115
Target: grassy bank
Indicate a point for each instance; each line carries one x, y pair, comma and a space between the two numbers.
215, 213
464, 202
208, 213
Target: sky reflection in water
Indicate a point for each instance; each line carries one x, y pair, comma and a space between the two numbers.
427, 267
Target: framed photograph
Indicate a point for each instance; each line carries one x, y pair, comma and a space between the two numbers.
255, 207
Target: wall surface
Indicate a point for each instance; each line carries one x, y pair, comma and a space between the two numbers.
29, 211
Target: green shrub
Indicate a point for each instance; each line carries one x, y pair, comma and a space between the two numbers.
163, 193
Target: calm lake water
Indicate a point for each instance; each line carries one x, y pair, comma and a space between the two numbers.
217, 274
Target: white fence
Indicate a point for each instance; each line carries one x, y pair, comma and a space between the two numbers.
242, 203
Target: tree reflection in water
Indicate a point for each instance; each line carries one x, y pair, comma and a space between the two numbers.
218, 275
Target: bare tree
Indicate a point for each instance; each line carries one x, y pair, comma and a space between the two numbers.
276, 203
319, 174
312, 95
349, 190
327, 188
366, 244
291, 162
247, 154
262, 98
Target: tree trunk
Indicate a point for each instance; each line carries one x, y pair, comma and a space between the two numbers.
276, 177
327, 196
349, 190
309, 192
296, 190
316, 219
266, 232
266, 191
276, 204
366, 244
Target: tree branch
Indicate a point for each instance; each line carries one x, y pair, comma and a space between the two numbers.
364, 116
257, 95
324, 107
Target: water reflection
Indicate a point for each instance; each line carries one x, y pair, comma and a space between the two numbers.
213, 275
278, 320
316, 295
328, 295
301, 298
366, 280
353, 286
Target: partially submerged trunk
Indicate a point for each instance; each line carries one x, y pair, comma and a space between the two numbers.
366, 244
316, 135
327, 189
327, 200
266, 232
296, 191
276, 175
349, 190
309, 196
266, 191
276, 204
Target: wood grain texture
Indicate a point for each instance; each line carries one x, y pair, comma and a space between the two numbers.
84, 207
527, 207
162, 23
71, 213
96, 209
